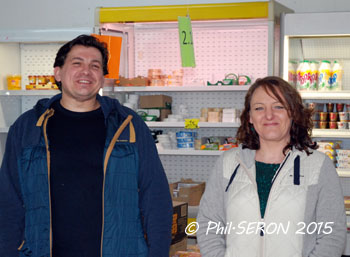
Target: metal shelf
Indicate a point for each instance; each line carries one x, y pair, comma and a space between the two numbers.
180, 124
181, 88
190, 152
28, 92
337, 133
327, 95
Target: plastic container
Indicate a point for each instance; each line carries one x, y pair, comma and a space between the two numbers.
304, 76
313, 75
14, 82
292, 73
324, 76
337, 74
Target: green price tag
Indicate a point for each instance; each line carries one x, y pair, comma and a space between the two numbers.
186, 42
191, 123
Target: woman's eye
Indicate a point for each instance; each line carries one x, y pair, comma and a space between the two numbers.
279, 107
258, 108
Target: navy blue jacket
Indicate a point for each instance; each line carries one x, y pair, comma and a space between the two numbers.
136, 193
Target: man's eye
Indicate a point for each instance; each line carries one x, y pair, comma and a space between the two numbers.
96, 66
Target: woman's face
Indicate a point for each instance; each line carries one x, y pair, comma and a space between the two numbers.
269, 117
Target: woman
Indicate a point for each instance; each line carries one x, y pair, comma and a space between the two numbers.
274, 195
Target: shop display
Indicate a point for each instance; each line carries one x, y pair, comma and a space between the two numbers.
314, 75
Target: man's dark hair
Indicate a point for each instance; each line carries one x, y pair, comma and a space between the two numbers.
84, 40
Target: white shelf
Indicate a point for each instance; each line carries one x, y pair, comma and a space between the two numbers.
326, 95
190, 152
344, 133
345, 173
159, 124
4, 130
28, 92
181, 88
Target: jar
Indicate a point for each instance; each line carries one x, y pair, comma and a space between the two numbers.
41, 80
14, 82
32, 79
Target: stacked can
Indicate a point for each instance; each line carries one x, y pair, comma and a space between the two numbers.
185, 139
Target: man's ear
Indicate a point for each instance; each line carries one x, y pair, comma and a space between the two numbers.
57, 73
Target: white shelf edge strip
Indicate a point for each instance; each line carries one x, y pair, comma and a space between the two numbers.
189, 152
331, 133
180, 124
344, 173
28, 92
325, 95
181, 88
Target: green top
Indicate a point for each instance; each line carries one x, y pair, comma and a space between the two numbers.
264, 175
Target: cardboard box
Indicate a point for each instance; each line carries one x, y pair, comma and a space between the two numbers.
179, 246
155, 101
180, 215
191, 194
138, 81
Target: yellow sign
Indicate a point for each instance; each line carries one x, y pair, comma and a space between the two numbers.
191, 123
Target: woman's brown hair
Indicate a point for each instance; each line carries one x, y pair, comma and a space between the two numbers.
300, 132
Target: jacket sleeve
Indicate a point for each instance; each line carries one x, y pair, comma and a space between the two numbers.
211, 212
11, 205
330, 209
154, 195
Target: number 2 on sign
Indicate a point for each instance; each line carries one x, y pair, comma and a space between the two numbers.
190, 42
191, 123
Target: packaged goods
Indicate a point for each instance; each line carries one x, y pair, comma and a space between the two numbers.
324, 76
304, 76
313, 75
187, 191
337, 74
14, 82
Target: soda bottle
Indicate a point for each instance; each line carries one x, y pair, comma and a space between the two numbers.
337, 74
292, 73
324, 76
300, 66
304, 76
313, 75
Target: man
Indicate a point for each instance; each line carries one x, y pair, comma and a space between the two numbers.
81, 176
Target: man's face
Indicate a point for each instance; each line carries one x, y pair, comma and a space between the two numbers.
82, 74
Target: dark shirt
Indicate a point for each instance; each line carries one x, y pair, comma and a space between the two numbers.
264, 176
76, 142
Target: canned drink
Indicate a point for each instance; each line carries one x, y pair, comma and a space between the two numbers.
324, 75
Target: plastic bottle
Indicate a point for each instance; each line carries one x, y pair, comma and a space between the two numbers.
292, 73
337, 74
313, 75
304, 76
324, 76
301, 63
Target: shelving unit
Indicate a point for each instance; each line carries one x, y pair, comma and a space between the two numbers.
181, 88
189, 152
157, 124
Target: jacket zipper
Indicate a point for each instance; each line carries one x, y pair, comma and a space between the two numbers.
262, 220
49, 113
268, 200
105, 163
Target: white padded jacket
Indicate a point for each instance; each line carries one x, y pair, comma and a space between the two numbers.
304, 216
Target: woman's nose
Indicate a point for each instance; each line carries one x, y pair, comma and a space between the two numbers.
269, 113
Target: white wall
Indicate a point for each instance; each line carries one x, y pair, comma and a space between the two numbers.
36, 14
